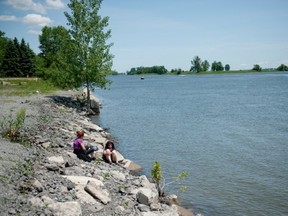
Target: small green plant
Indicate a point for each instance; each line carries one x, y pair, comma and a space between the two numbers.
26, 168
121, 187
157, 177
97, 160
106, 175
46, 205
10, 128
6, 179
126, 203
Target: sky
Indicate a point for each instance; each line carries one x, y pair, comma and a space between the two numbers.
171, 33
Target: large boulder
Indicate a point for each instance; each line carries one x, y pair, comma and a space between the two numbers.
98, 192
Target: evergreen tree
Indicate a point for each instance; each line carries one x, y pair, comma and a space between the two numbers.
3, 46
18, 57
10, 66
27, 59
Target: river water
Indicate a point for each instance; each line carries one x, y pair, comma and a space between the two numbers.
230, 132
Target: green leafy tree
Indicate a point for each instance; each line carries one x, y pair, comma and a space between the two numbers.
205, 65
282, 67
161, 184
227, 67
217, 66
54, 44
91, 56
55, 60
257, 67
196, 64
146, 70
177, 71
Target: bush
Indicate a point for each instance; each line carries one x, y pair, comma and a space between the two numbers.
10, 128
157, 177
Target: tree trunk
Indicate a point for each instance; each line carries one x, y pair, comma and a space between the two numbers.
88, 96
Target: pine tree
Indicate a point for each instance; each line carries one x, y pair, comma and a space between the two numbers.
10, 64
27, 59
3, 46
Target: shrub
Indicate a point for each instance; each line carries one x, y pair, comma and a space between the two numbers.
157, 177
10, 128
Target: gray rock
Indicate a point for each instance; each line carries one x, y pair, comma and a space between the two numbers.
98, 192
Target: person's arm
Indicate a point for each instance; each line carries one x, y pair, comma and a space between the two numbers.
83, 146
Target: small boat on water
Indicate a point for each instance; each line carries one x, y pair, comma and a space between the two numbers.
142, 78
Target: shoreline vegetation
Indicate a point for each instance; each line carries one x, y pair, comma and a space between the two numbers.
40, 175
207, 72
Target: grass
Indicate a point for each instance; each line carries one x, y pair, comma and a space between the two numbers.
25, 87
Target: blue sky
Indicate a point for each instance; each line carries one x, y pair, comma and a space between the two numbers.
240, 33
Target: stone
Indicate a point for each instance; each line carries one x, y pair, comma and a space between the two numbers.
70, 208
83, 180
118, 175
143, 208
46, 145
144, 182
128, 164
171, 199
97, 192
37, 185
52, 167
56, 159
146, 196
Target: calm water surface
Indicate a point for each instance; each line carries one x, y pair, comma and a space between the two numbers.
230, 132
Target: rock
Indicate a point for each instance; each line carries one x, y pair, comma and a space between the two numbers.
37, 185
118, 175
143, 208
97, 192
184, 212
146, 196
101, 140
144, 182
71, 208
56, 159
52, 167
83, 180
171, 199
128, 164
46, 145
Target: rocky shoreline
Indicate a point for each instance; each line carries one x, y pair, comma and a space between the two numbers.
40, 175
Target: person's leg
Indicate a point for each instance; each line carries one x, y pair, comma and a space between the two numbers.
114, 156
107, 154
90, 151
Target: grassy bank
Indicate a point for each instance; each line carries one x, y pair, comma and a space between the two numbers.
25, 86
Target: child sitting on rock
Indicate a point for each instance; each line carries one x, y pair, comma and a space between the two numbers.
83, 152
109, 154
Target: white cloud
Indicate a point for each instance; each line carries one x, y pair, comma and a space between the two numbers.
34, 32
26, 5
7, 18
56, 4
36, 20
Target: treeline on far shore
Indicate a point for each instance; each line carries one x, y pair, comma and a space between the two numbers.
201, 67
17, 59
